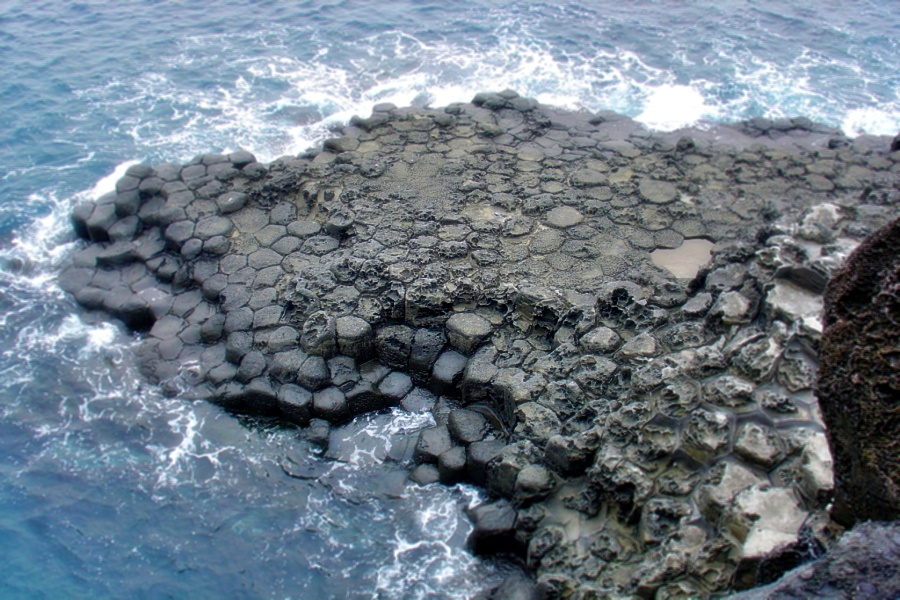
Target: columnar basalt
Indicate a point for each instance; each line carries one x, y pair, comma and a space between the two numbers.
491, 262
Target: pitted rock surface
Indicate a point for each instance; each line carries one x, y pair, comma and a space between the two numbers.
859, 383
641, 430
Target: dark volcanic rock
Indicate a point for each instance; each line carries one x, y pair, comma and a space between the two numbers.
433, 442
647, 434
863, 564
467, 426
494, 530
859, 379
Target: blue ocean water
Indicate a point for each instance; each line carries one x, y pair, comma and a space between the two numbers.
109, 490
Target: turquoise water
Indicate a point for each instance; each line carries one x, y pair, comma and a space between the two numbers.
108, 490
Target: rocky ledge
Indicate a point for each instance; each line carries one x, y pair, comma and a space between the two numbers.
643, 431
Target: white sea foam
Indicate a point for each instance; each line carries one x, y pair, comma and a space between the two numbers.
368, 439
108, 183
670, 107
872, 120
427, 558
274, 102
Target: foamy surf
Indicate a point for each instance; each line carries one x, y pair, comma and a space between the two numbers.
138, 484
276, 103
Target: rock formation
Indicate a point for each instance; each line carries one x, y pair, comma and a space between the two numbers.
859, 379
492, 263
864, 563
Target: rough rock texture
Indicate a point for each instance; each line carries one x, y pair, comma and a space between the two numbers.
865, 563
642, 432
859, 379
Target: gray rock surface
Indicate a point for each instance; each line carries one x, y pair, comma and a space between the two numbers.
643, 431
864, 563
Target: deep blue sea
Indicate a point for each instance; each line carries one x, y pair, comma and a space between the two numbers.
109, 490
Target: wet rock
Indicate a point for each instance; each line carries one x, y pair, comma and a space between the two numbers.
502, 253
295, 404
425, 474
427, 346
318, 432
101, 220
478, 455
395, 387
241, 159
467, 426
343, 372
493, 528
331, 404
260, 397
364, 397
80, 216
452, 464
433, 442
514, 587
313, 373
447, 373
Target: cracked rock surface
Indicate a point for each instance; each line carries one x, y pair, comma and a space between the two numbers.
491, 262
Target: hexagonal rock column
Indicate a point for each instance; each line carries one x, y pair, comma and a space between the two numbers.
466, 331
859, 379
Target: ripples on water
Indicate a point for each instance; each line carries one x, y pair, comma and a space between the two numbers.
108, 489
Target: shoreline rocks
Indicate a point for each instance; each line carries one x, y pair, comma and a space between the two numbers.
491, 263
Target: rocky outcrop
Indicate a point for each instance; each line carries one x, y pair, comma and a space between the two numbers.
864, 563
859, 379
492, 263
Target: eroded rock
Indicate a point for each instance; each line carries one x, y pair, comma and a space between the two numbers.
859, 379
490, 263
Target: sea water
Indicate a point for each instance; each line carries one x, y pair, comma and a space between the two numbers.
108, 489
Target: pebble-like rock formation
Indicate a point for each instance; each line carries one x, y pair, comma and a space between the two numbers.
859, 379
493, 263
